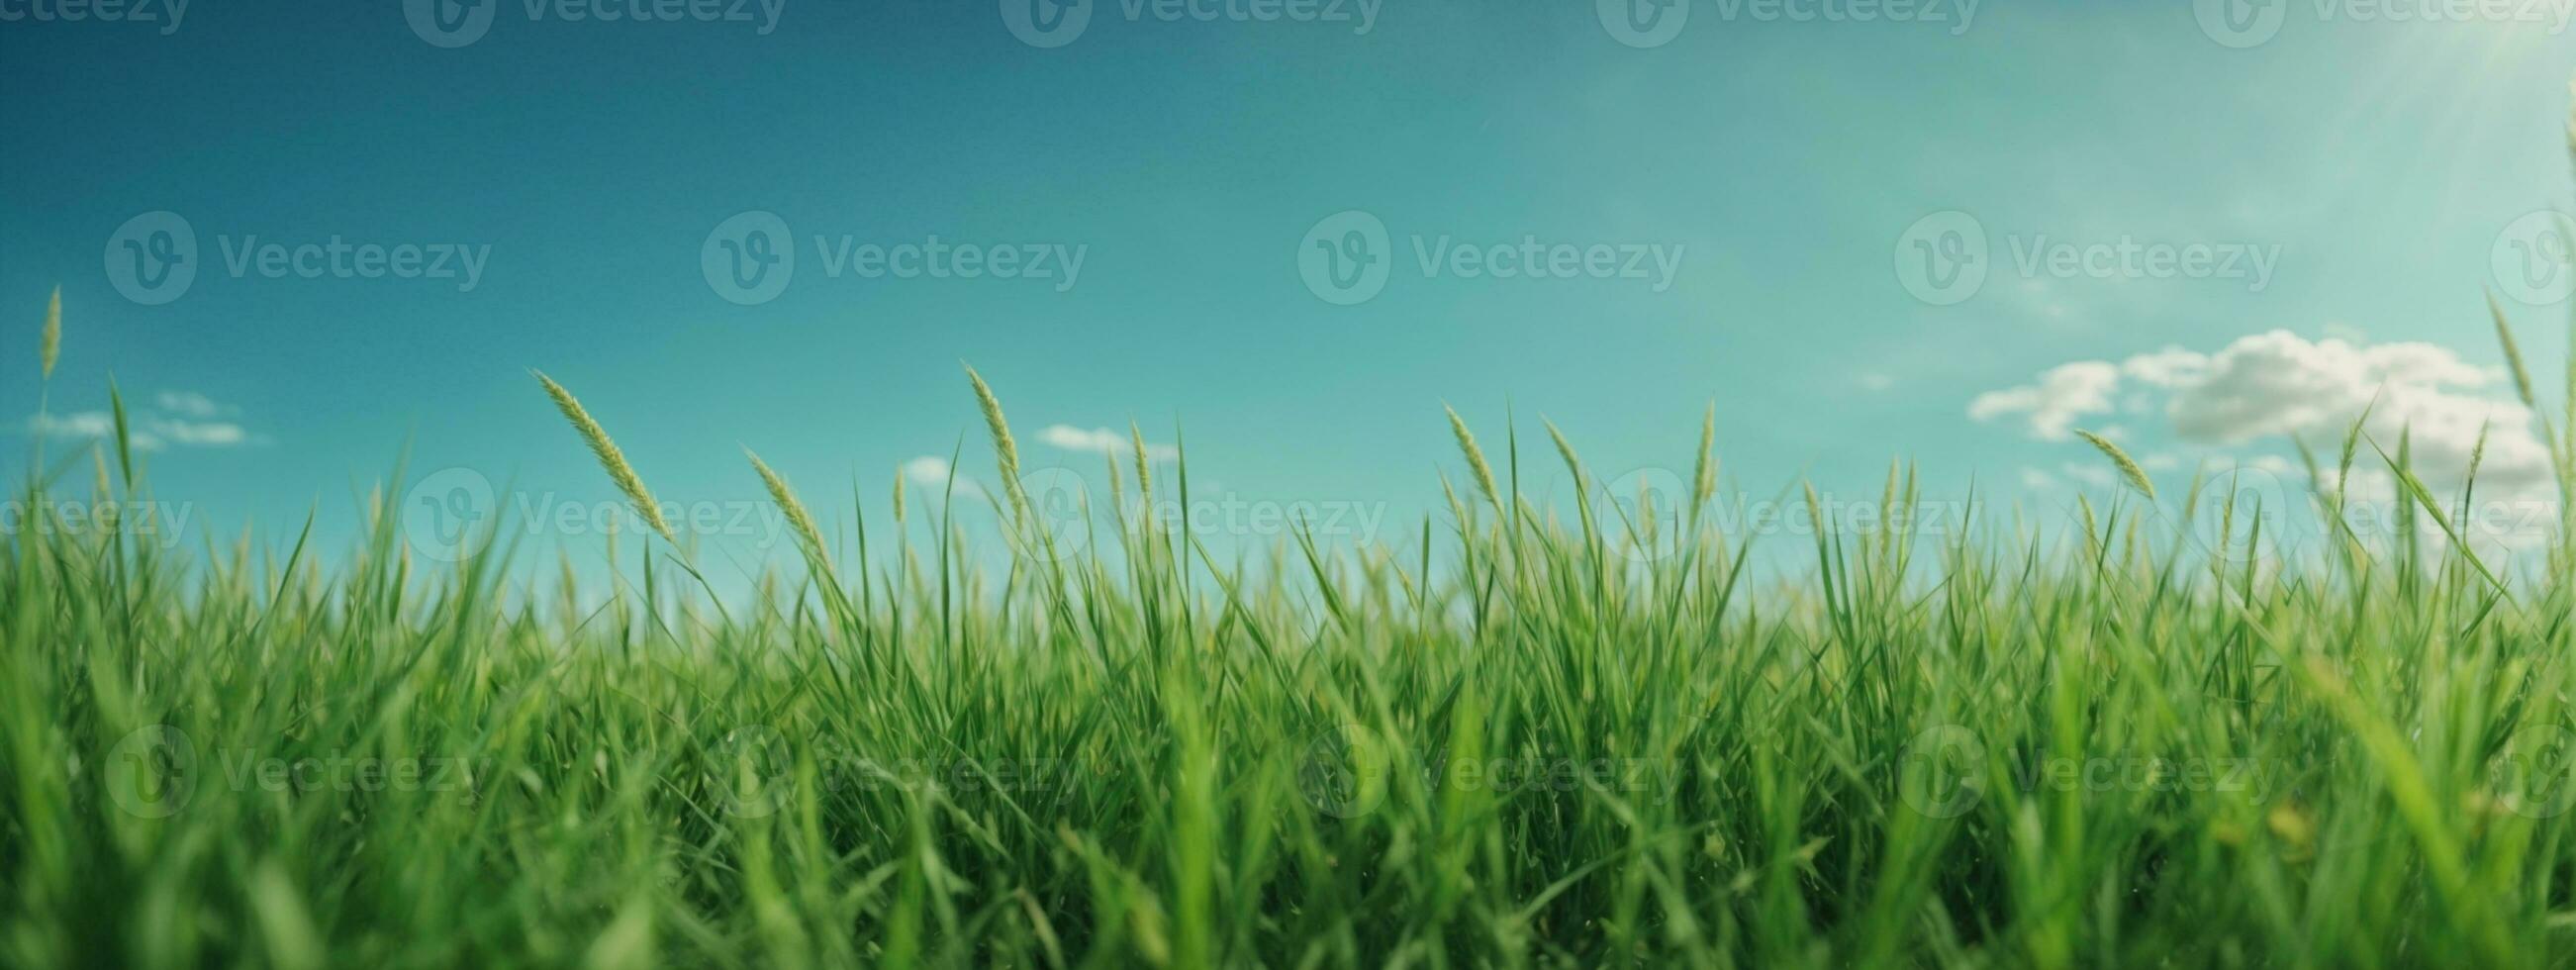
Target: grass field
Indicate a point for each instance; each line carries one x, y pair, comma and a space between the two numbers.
1579, 735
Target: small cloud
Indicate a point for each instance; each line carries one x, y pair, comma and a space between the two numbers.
2095, 474
201, 434
175, 418
2061, 396
189, 404
1875, 381
933, 471
91, 424
2035, 478
1101, 441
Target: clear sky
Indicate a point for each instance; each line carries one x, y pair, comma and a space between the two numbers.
1765, 184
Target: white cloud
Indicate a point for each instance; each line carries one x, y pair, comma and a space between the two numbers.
1876, 381
1101, 441
2096, 474
178, 418
932, 471
2032, 478
2169, 367
2062, 395
189, 404
2277, 385
203, 434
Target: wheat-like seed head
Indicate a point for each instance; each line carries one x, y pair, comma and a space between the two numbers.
1005, 451
898, 495
2128, 469
1704, 474
610, 459
1144, 473
797, 517
2512, 353
1475, 457
53, 338
1565, 450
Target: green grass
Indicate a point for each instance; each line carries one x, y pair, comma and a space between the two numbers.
1580, 732
1511, 740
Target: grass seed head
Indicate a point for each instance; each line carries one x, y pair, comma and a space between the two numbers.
1475, 457
797, 518
1006, 452
53, 338
610, 459
2128, 469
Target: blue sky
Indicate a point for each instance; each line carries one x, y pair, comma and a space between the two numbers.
1780, 166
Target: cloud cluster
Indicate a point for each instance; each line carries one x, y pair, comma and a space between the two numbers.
2280, 385
933, 470
1101, 441
183, 418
